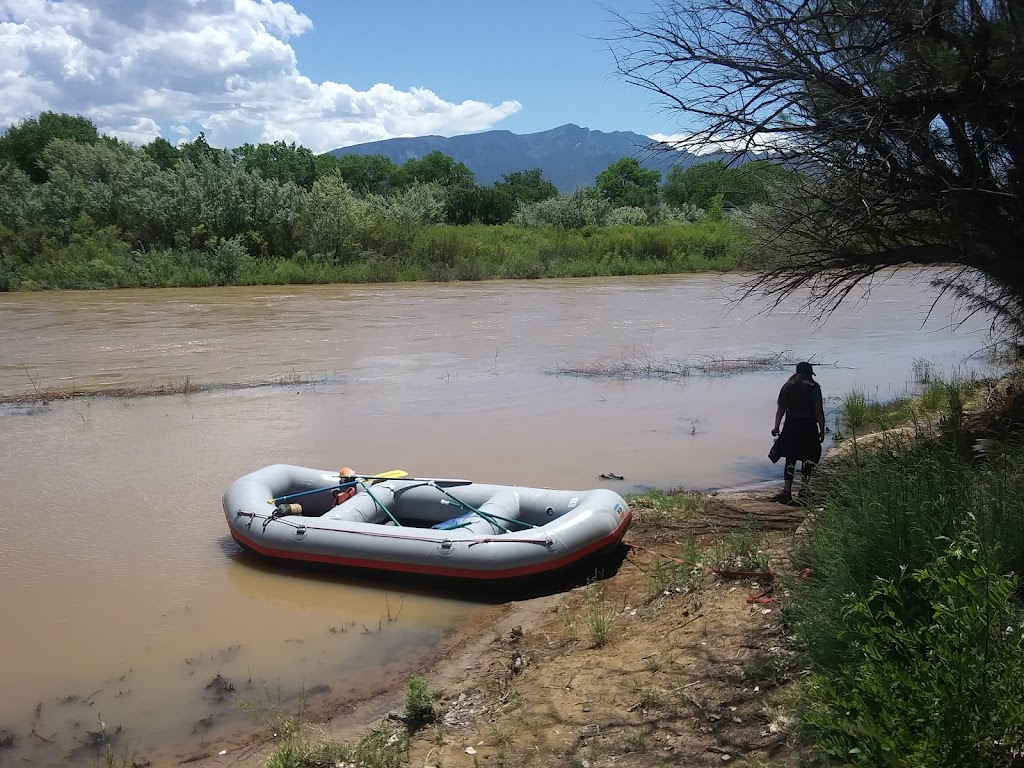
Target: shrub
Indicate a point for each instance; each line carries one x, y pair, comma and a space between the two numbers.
227, 258
419, 203
331, 220
632, 215
886, 511
675, 214
419, 703
520, 267
940, 690
574, 211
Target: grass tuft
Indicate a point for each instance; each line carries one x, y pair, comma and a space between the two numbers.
419, 704
598, 617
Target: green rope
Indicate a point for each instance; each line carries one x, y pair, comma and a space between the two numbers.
474, 510
485, 515
379, 504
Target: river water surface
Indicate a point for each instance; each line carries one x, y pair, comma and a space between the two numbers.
123, 596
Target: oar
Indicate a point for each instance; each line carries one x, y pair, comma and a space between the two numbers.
393, 474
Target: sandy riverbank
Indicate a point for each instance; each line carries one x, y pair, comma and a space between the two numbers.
683, 675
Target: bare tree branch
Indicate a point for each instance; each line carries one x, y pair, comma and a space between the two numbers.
901, 115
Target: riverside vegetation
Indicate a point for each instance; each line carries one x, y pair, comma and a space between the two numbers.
900, 639
84, 210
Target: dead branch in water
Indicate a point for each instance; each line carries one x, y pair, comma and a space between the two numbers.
644, 365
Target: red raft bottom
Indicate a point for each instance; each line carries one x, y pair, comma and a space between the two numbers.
593, 549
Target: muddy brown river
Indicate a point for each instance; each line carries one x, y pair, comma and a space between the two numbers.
123, 598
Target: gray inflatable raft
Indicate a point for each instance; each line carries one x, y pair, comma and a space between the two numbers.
446, 528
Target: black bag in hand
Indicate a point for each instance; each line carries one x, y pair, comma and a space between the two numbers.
775, 454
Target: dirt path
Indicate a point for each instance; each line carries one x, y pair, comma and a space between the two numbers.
654, 663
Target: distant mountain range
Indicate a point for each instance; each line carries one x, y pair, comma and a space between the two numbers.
569, 156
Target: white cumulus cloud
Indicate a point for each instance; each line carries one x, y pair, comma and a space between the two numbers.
142, 68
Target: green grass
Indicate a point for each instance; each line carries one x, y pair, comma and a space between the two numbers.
379, 748
598, 616
666, 578
890, 508
738, 550
909, 627
654, 504
935, 670
860, 414
767, 670
385, 253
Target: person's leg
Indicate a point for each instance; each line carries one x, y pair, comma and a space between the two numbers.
787, 486
806, 470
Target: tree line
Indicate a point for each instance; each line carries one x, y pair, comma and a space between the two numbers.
69, 194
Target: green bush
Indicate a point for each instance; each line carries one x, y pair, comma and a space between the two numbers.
419, 703
860, 414
939, 690
419, 203
627, 214
886, 510
227, 259
573, 211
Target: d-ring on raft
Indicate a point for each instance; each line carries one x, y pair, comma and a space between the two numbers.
455, 529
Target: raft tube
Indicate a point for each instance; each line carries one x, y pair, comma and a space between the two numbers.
454, 529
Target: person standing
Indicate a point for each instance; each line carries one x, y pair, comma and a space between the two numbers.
803, 432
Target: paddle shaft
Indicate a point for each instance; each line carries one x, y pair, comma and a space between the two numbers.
349, 484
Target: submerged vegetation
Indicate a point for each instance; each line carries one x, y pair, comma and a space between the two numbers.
642, 363
301, 744
184, 386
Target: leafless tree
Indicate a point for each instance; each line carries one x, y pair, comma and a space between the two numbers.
904, 117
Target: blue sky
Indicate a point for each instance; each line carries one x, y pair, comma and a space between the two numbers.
323, 73
546, 54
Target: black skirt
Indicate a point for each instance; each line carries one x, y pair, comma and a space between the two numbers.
799, 440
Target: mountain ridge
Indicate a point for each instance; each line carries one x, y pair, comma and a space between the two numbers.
569, 155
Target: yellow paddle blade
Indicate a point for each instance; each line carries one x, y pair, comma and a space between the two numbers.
391, 474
